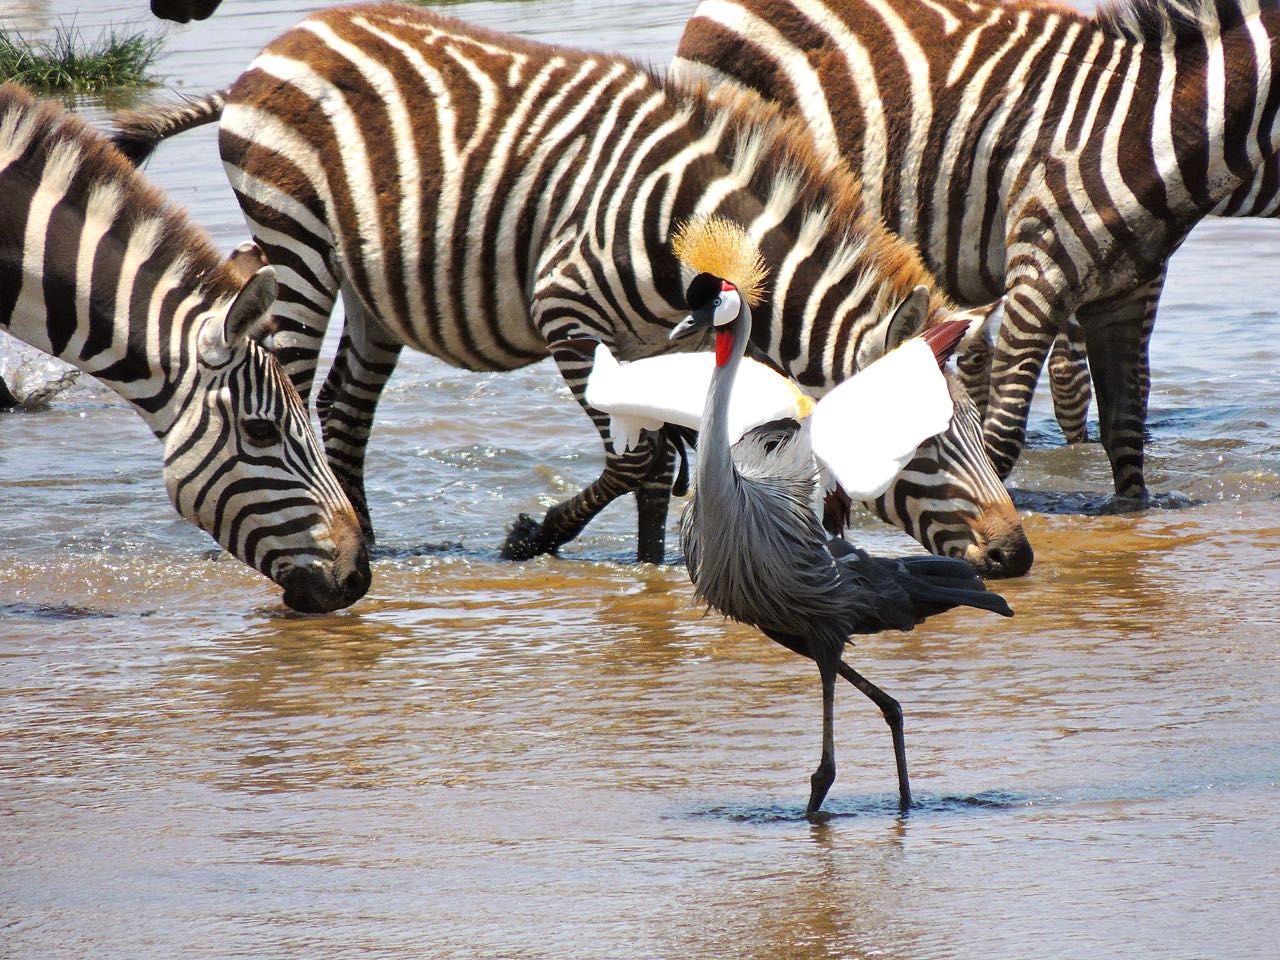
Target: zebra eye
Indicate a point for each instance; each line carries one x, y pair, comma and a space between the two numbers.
260, 432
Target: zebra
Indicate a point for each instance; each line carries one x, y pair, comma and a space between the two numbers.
184, 11
481, 197
1031, 150
97, 269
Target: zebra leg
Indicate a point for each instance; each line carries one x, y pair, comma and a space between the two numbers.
1117, 332
653, 500
366, 358
7, 400
1031, 321
650, 461
1069, 382
623, 474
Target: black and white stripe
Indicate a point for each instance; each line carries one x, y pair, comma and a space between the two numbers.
99, 271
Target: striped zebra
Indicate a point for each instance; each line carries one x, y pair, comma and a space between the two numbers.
480, 197
184, 11
1029, 148
98, 270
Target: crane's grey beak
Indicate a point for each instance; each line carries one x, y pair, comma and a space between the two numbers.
690, 324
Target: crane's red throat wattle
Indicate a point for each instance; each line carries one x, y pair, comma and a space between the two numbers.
724, 346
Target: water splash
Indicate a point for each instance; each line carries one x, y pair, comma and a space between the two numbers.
29, 379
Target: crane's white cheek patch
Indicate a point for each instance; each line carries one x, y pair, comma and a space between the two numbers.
728, 306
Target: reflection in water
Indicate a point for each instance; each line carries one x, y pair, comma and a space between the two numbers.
566, 758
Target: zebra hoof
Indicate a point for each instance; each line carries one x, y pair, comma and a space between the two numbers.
524, 540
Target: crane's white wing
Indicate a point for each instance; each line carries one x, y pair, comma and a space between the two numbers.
672, 388
868, 428
648, 393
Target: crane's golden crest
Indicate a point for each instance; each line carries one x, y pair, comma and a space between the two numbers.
722, 248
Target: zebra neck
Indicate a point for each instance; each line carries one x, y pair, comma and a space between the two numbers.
119, 328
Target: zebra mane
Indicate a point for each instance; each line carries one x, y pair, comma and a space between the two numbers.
1148, 20
790, 153
99, 164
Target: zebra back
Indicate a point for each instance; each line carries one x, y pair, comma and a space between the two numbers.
97, 269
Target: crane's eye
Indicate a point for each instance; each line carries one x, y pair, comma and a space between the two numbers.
718, 302
261, 432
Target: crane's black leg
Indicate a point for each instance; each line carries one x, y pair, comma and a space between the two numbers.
892, 716
825, 775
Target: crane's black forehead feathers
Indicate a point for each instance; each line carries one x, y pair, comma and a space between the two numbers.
702, 290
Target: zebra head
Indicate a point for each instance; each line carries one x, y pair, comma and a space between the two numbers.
242, 462
951, 500
950, 497
973, 357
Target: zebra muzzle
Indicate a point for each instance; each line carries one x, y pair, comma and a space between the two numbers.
321, 588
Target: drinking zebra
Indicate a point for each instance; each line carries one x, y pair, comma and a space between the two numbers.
478, 197
98, 270
1031, 149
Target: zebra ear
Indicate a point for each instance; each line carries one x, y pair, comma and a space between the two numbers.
248, 311
248, 258
908, 319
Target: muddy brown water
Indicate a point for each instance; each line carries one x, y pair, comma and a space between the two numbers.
566, 758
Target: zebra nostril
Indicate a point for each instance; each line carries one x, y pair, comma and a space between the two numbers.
356, 584
1010, 556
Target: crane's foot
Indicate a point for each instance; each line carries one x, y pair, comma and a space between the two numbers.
819, 784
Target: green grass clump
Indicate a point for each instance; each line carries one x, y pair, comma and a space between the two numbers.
66, 64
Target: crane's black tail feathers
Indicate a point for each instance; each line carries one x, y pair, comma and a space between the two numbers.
936, 584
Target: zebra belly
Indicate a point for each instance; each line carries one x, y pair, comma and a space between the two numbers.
488, 331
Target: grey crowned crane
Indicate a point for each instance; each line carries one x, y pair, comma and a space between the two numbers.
756, 549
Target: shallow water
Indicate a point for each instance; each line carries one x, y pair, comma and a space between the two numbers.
565, 758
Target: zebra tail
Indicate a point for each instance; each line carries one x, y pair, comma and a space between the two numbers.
136, 133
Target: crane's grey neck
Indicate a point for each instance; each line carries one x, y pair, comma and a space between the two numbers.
714, 459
